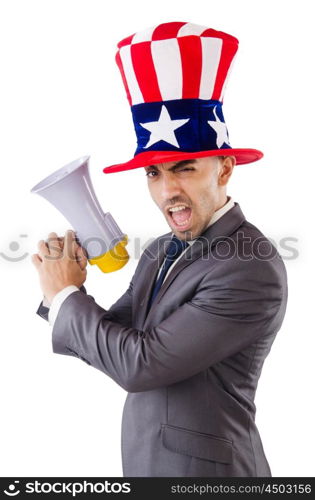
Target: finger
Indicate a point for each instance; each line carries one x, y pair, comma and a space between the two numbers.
54, 245
61, 241
69, 245
81, 258
83, 274
43, 249
36, 260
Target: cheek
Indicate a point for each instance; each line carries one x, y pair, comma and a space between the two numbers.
154, 193
204, 203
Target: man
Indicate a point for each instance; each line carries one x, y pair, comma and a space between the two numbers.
189, 337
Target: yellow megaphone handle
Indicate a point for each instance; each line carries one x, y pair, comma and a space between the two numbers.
114, 259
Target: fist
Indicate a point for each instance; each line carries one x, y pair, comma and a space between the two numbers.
60, 262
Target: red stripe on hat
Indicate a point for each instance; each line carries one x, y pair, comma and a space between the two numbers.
120, 66
145, 71
191, 56
125, 41
219, 34
166, 30
228, 52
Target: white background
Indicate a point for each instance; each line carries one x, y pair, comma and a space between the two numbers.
62, 97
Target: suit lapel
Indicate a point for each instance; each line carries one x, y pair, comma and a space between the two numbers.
154, 258
221, 229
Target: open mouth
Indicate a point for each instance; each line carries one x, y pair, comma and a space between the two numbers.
180, 216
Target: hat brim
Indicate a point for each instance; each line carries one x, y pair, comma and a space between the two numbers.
153, 157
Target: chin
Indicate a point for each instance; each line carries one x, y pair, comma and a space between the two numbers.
186, 235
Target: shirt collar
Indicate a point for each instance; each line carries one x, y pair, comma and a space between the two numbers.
221, 211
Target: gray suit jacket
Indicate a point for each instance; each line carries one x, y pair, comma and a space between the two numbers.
191, 363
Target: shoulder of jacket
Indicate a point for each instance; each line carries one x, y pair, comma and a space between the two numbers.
246, 254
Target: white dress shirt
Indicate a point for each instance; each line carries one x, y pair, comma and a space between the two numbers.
65, 292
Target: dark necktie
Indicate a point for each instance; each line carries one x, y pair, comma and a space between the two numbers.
173, 251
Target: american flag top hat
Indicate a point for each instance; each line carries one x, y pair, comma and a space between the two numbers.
175, 76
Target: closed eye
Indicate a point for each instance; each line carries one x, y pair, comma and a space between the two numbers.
184, 169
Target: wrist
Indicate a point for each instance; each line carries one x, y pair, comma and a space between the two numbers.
58, 300
52, 294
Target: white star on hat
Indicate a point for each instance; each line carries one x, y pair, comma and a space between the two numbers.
220, 129
163, 129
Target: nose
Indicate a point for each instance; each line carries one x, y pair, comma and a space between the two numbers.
170, 187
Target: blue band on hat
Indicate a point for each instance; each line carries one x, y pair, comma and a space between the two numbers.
188, 125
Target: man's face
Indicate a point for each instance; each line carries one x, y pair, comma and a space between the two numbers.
187, 192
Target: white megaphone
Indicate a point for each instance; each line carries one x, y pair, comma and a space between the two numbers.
71, 191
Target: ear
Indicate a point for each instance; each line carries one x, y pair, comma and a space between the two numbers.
228, 163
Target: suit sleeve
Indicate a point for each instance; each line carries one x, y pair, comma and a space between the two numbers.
43, 310
120, 311
227, 313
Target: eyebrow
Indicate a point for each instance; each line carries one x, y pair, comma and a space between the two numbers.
177, 165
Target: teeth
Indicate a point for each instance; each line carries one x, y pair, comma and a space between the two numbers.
177, 209
182, 223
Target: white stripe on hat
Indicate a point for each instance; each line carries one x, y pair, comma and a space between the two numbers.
168, 68
143, 36
226, 79
211, 53
134, 89
191, 29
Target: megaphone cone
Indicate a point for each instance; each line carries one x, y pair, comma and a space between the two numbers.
70, 190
